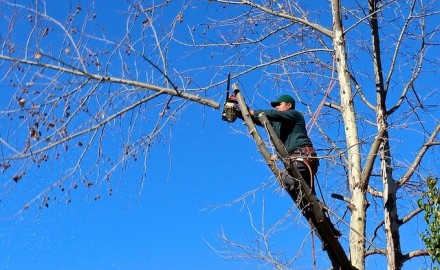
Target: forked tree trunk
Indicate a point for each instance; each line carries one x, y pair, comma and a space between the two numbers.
391, 218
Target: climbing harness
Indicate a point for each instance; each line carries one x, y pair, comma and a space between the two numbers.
307, 156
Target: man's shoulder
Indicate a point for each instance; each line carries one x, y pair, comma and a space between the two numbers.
294, 112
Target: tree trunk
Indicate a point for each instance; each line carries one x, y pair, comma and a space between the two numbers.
357, 187
391, 219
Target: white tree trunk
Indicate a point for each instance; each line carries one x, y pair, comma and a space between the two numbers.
357, 187
391, 225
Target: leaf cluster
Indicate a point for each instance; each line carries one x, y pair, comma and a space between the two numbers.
430, 203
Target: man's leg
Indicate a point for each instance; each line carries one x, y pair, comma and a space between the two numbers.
305, 172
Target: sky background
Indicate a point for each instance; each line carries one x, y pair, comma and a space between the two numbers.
169, 226
175, 219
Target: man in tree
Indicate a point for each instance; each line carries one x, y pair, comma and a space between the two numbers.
289, 126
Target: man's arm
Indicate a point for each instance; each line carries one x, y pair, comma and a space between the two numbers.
278, 116
254, 117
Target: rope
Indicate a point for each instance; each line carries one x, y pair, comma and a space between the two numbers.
298, 159
320, 190
314, 117
330, 87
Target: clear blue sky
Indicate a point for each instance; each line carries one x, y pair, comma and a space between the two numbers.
174, 222
168, 226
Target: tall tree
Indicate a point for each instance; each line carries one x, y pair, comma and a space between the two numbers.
295, 37
102, 93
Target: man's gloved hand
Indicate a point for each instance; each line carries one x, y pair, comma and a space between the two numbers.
238, 113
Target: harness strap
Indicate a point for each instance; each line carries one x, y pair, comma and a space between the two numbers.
304, 155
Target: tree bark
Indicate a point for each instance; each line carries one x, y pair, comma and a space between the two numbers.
357, 186
391, 218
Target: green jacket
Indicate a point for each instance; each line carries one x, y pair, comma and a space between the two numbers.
289, 126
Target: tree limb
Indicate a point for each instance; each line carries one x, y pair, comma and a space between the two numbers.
417, 67
282, 14
375, 251
72, 136
333, 106
413, 254
374, 192
408, 217
372, 157
431, 141
78, 72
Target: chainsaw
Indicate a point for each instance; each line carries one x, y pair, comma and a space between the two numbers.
230, 108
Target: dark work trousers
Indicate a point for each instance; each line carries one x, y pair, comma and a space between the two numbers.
305, 173
293, 188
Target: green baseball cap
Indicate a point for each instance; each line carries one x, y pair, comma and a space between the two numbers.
283, 98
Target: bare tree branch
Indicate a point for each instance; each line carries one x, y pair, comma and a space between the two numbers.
408, 217
431, 141
281, 14
414, 254
368, 167
103, 79
375, 252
